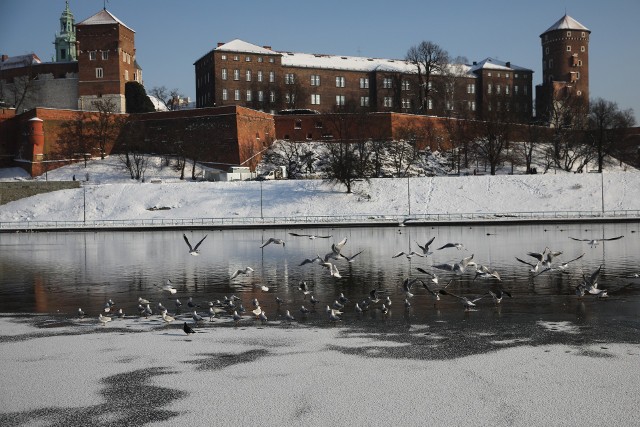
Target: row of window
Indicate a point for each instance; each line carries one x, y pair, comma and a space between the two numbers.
507, 89
507, 107
100, 74
104, 54
246, 58
574, 63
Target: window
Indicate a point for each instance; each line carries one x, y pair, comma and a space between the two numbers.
128, 59
472, 106
388, 101
506, 76
499, 75
289, 79
236, 74
236, 94
260, 59
249, 95
124, 56
105, 55
225, 95
525, 90
568, 33
546, 50
259, 76
579, 62
224, 74
319, 125
506, 89
126, 75
272, 60
579, 93
449, 105
340, 82
489, 74
406, 104
297, 124
489, 88
515, 76
387, 83
63, 53
471, 88
405, 85
364, 83
430, 85
272, 76
290, 98
568, 48
248, 75
247, 59
582, 49
315, 80
364, 101
260, 96
236, 58
315, 99
92, 55
99, 73
272, 96
515, 89
429, 104
223, 57
339, 100
551, 63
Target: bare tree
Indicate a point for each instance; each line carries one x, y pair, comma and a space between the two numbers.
494, 138
105, 125
430, 60
608, 127
169, 98
75, 137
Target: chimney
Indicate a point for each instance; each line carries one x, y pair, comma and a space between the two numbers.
220, 44
508, 64
4, 57
267, 47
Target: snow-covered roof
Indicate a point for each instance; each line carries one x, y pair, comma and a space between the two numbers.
567, 23
103, 17
20, 61
238, 45
157, 104
495, 64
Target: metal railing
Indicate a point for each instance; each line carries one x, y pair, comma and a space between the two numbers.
367, 219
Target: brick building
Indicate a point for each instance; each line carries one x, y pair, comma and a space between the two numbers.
241, 73
94, 60
565, 65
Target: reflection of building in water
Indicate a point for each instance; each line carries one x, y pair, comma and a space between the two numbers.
41, 295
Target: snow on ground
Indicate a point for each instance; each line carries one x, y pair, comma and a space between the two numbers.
109, 194
137, 370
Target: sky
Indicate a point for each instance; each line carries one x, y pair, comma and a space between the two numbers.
172, 35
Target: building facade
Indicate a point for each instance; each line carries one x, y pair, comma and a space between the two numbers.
95, 58
565, 66
258, 77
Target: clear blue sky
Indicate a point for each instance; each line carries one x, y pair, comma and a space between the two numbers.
171, 35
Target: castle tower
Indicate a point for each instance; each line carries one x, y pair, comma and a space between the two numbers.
106, 60
65, 41
565, 64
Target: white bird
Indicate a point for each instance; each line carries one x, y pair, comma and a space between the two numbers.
358, 308
546, 257
434, 277
458, 246
289, 317
484, 272
317, 260
498, 295
408, 255
384, 309
311, 236
595, 242
467, 303
236, 317
196, 317
147, 311
263, 288
214, 312
560, 267
407, 304
169, 288
334, 271
168, 319
194, 250
304, 310
334, 315
342, 298
142, 301
407, 284
263, 317
534, 267
80, 313
257, 311
425, 248
313, 300
104, 319
337, 305
336, 248
120, 313
457, 268
178, 303
591, 283
245, 270
274, 241
352, 257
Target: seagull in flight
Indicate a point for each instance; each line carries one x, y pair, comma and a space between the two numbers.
546, 257
485, 272
311, 236
194, 250
274, 241
560, 267
458, 246
317, 260
498, 295
245, 270
425, 248
434, 278
352, 257
408, 255
169, 288
466, 302
407, 284
457, 268
534, 267
595, 242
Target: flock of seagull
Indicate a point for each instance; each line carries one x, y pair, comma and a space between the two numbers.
232, 308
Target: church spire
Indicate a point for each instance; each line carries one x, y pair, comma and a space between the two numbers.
65, 41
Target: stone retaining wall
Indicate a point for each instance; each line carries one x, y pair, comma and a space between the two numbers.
10, 191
